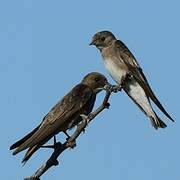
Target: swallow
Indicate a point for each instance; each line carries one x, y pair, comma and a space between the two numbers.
123, 67
65, 115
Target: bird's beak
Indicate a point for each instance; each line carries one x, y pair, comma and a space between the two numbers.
92, 42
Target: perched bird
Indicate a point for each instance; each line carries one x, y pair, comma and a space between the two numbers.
64, 115
123, 67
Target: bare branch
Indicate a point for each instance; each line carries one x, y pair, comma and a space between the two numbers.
71, 142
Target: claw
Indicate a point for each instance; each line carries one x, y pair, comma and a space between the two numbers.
119, 87
84, 116
87, 117
113, 88
90, 116
116, 88
108, 87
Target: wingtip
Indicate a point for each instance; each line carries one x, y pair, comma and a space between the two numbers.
15, 152
172, 119
169, 117
157, 123
162, 125
23, 162
12, 147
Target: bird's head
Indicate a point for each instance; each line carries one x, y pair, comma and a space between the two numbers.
95, 80
102, 39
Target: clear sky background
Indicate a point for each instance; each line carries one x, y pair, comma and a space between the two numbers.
45, 52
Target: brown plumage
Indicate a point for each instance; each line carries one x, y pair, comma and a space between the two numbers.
64, 115
121, 64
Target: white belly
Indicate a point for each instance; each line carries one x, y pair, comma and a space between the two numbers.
115, 72
138, 95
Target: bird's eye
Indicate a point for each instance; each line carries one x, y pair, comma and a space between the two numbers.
102, 38
96, 79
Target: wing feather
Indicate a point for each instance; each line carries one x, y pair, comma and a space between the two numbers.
69, 106
136, 71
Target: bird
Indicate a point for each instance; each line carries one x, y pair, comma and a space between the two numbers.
124, 69
65, 115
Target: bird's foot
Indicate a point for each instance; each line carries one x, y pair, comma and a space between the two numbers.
90, 116
113, 88
108, 87
119, 86
84, 116
116, 88
87, 117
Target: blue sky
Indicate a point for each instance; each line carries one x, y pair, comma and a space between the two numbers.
45, 52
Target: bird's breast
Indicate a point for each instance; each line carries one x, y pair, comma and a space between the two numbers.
114, 70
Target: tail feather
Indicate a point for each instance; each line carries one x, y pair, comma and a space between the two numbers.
157, 122
34, 148
162, 124
151, 94
19, 149
159, 105
22, 144
29, 153
21, 141
138, 95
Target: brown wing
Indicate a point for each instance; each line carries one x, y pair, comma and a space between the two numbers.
136, 71
71, 104
18, 143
